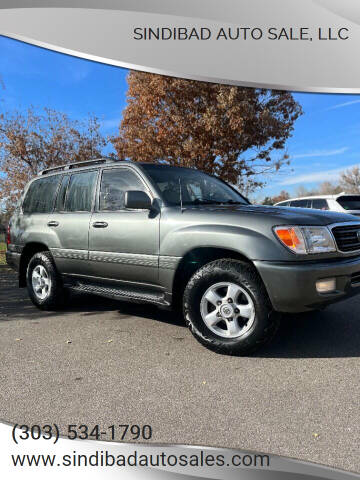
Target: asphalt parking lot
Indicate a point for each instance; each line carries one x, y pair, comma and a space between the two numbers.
104, 362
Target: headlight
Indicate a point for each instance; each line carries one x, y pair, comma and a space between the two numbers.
305, 240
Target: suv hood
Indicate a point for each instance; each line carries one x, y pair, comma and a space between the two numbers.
281, 215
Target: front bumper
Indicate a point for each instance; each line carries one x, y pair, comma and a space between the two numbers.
292, 286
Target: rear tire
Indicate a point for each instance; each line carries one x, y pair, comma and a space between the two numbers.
227, 308
43, 282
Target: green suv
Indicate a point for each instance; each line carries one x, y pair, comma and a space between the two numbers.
178, 238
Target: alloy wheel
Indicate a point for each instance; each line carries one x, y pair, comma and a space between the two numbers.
41, 282
227, 310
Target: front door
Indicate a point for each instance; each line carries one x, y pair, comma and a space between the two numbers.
123, 243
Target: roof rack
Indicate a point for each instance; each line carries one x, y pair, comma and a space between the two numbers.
70, 166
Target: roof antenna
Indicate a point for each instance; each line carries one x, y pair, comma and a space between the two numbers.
181, 199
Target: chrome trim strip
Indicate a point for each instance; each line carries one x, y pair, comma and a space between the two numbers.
124, 258
168, 263
69, 253
163, 262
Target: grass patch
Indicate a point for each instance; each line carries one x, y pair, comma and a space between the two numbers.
2, 253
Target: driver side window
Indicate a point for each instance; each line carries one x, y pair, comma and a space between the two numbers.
114, 183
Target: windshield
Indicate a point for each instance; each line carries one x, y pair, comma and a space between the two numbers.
350, 202
197, 188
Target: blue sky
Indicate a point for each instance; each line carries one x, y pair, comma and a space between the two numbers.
39, 77
326, 138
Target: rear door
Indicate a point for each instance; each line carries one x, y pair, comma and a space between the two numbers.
30, 225
123, 243
70, 221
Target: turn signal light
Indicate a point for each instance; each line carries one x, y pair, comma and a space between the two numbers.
292, 238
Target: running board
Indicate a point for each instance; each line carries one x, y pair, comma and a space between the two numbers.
123, 293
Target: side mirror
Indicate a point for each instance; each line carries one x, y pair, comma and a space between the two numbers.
137, 200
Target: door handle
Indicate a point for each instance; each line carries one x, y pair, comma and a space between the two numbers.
53, 223
100, 224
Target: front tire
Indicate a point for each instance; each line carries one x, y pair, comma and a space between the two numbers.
43, 282
227, 308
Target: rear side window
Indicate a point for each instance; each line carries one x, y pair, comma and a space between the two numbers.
350, 202
320, 204
301, 203
60, 200
40, 196
80, 192
114, 184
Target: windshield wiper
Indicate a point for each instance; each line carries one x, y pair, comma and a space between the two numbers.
205, 201
234, 202
209, 201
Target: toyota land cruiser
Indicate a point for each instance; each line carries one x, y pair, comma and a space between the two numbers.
173, 236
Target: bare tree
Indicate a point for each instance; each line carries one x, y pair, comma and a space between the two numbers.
329, 188
32, 141
303, 191
350, 180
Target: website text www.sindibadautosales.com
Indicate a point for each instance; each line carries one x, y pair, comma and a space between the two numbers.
103, 458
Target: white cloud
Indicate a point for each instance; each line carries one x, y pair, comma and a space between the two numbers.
341, 105
322, 176
321, 153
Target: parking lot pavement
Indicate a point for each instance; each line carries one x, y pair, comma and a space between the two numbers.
104, 362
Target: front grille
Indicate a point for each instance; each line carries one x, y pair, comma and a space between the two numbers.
346, 237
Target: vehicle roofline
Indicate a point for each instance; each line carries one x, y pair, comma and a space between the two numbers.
320, 197
72, 167
96, 163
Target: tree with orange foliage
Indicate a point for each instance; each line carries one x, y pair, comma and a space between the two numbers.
224, 130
